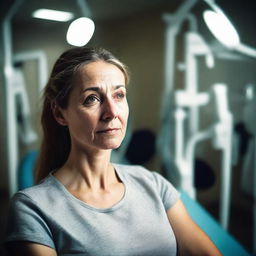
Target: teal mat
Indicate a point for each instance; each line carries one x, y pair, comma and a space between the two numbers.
227, 244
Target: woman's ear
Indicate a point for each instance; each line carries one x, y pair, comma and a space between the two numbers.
58, 115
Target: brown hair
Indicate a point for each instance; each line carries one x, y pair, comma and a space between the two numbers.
55, 146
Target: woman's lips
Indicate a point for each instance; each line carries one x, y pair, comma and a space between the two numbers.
109, 131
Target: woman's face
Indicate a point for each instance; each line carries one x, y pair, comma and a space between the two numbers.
97, 111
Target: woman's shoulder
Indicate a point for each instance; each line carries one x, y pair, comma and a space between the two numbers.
36, 192
137, 172
150, 180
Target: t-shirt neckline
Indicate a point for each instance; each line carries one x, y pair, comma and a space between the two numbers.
114, 207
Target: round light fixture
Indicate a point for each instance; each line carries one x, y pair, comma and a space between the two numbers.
80, 31
221, 28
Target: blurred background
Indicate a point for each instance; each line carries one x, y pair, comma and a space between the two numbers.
192, 98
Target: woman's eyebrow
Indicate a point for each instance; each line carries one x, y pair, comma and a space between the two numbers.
97, 89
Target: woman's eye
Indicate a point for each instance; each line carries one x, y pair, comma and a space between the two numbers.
91, 99
120, 95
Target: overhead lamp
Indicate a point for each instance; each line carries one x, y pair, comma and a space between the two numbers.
224, 31
80, 31
220, 26
49, 14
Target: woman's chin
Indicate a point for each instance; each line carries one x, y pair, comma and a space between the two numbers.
111, 146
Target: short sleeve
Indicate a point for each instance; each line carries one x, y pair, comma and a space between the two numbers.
26, 223
167, 191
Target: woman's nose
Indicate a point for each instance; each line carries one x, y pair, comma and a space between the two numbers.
110, 110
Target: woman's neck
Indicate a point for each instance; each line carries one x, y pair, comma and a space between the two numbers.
83, 171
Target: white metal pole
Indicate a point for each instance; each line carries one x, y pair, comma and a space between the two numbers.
10, 111
41, 59
180, 115
245, 50
191, 81
169, 59
226, 182
223, 141
173, 23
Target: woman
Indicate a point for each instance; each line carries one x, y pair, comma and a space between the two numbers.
83, 204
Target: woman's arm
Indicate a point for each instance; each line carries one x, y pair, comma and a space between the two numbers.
29, 249
191, 239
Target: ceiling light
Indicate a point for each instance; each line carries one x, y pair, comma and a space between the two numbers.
48, 14
80, 31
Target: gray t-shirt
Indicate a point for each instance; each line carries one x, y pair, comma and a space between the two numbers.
137, 225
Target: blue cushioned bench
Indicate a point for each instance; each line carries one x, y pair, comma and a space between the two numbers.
222, 239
